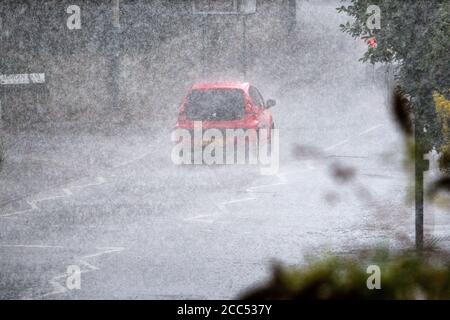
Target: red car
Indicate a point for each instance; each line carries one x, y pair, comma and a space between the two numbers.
225, 105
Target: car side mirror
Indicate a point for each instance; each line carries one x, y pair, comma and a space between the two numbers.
270, 103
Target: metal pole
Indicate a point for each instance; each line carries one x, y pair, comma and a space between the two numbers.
292, 21
115, 58
204, 45
421, 164
244, 46
419, 199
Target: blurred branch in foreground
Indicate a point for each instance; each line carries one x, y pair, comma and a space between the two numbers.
402, 276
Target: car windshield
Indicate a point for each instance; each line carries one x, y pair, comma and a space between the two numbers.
215, 104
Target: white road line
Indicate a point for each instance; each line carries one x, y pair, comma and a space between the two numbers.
198, 217
55, 284
125, 163
359, 134
265, 186
201, 220
371, 129
55, 281
336, 145
57, 287
32, 204
89, 266
99, 181
236, 201
67, 193
46, 199
222, 207
7, 215
106, 250
37, 246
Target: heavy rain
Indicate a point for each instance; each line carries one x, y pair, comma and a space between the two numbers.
92, 203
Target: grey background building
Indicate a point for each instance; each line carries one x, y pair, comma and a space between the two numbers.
141, 66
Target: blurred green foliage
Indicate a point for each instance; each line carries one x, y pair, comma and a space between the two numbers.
443, 110
413, 36
403, 276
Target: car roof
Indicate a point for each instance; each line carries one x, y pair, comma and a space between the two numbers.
218, 85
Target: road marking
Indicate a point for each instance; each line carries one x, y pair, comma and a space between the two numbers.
55, 281
359, 134
57, 287
236, 201
67, 192
37, 246
371, 129
198, 217
125, 163
32, 205
33, 202
99, 181
8, 215
105, 250
265, 186
336, 145
222, 207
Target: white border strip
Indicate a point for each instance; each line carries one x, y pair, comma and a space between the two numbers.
22, 78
